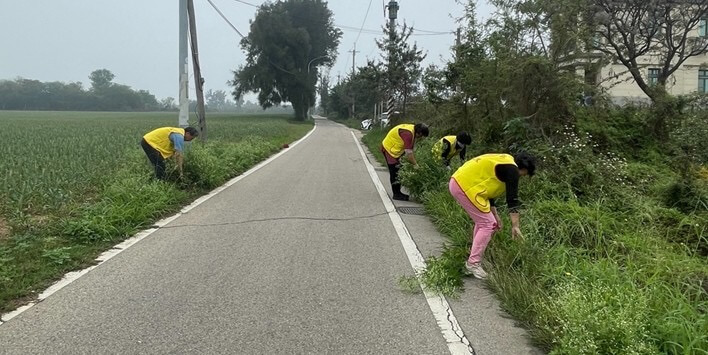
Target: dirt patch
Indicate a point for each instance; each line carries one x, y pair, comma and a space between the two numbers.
4, 229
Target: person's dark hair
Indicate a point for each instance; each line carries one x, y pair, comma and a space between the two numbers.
464, 138
526, 161
192, 131
422, 128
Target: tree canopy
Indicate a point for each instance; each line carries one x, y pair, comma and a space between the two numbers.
287, 42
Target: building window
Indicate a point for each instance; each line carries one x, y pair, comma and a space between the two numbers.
703, 28
597, 40
654, 76
703, 81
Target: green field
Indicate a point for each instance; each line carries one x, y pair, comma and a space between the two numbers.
51, 157
75, 183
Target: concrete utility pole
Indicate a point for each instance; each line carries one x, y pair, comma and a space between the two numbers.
392, 16
353, 52
199, 81
183, 118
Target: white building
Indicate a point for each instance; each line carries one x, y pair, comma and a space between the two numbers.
618, 83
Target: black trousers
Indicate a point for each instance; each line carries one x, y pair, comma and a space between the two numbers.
155, 158
393, 173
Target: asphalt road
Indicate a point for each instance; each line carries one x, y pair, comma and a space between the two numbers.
298, 257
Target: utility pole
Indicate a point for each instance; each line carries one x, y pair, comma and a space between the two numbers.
392, 15
458, 49
199, 81
183, 118
353, 51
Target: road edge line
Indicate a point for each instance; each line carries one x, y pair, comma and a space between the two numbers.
455, 338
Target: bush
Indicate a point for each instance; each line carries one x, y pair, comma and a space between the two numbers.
210, 165
430, 175
623, 130
594, 317
687, 194
691, 136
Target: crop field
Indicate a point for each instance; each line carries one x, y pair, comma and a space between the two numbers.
75, 183
52, 158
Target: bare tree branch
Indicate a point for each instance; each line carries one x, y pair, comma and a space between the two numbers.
661, 29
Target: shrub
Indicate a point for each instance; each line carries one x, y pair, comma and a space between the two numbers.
593, 317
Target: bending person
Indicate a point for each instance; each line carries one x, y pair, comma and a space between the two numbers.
400, 140
476, 184
163, 143
447, 147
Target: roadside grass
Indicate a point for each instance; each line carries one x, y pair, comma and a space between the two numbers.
349, 122
610, 264
78, 183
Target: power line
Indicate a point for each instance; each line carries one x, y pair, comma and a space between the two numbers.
427, 31
361, 29
247, 3
242, 36
363, 22
225, 19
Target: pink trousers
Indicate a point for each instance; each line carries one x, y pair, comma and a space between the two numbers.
484, 223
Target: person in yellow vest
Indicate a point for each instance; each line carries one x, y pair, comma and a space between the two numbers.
400, 140
476, 184
163, 143
449, 146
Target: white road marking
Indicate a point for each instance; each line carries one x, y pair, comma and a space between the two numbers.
455, 338
107, 255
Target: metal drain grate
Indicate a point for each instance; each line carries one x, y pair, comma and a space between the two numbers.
419, 211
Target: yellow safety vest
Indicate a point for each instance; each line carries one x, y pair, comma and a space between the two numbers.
438, 147
479, 181
393, 143
160, 140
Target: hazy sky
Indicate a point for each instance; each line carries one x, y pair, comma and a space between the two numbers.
64, 40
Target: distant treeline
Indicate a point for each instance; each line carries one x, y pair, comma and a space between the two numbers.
105, 95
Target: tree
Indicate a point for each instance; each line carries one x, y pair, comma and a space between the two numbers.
101, 79
288, 40
168, 104
339, 103
667, 32
366, 85
148, 101
216, 100
26, 94
402, 62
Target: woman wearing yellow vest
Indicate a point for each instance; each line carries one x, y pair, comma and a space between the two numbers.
449, 146
400, 140
163, 143
476, 184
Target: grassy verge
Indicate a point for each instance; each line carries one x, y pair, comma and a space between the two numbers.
349, 122
80, 183
373, 140
614, 260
